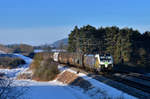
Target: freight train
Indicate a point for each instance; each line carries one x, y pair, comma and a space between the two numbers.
93, 62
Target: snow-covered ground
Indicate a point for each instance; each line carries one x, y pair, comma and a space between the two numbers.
50, 90
102, 89
38, 50
42, 90
2, 52
57, 90
147, 74
14, 72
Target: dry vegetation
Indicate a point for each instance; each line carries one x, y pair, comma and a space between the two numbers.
73, 79
5, 49
67, 77
23, 49
9, 62
44, 69
24, 75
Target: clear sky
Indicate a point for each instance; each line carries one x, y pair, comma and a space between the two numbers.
45, 21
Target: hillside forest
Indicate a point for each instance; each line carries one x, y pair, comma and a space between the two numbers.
127, 46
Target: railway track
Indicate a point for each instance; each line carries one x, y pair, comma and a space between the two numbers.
137, 87
132, 81
140, 76
123, 86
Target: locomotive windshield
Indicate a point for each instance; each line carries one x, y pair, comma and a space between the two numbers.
105, 58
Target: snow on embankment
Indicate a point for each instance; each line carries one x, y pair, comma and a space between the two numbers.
13, 73
2, 52
93, 88
41, 90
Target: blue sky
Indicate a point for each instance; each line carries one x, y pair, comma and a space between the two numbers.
45, 21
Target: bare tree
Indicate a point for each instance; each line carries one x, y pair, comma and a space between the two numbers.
9, 91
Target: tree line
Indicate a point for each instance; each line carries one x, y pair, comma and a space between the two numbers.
127, 46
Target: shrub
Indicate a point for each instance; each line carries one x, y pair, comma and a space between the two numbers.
37, 60
44, 69
5, 49
23, 49
10, 62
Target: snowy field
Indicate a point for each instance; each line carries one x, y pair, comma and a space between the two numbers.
50, 90
42, 90
57, 90
14, 72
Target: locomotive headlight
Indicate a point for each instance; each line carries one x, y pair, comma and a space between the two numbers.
106, 65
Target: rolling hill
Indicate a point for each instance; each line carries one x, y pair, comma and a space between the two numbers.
59, 42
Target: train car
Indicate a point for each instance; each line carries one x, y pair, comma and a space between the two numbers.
91, 62
94, 62
75, 59
63, 57
55, 56
71, 59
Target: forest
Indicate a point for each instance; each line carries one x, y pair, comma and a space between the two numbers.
126, 45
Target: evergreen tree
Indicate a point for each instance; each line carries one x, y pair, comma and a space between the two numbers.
125, 45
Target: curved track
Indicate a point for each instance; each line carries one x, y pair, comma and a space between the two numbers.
138, 83
132, 81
